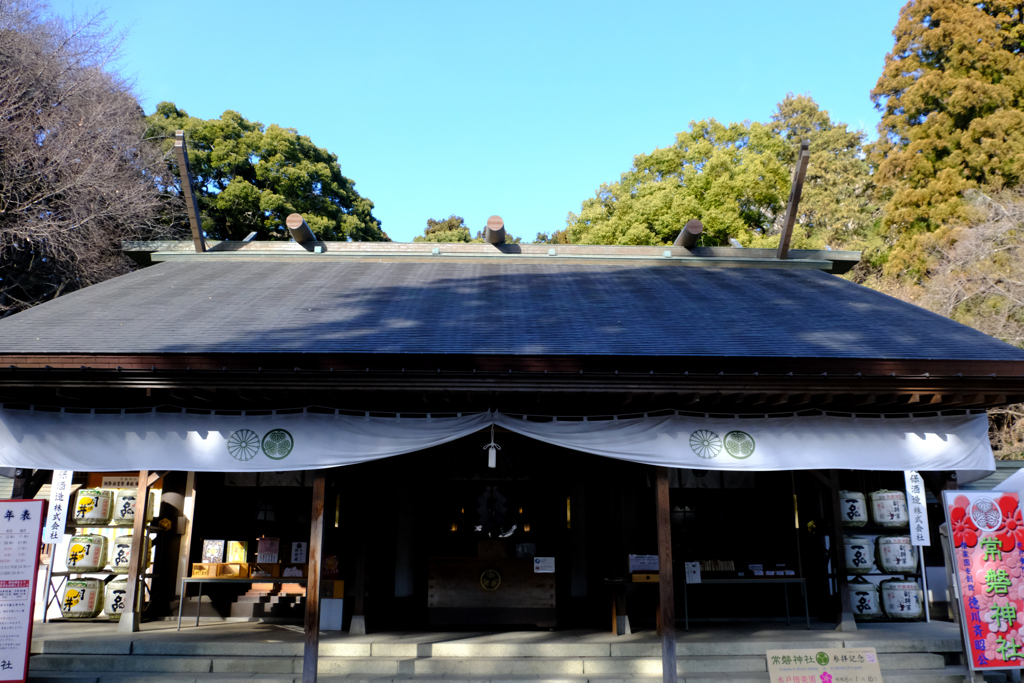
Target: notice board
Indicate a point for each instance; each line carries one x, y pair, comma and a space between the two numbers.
840, 665
21, 530
987, 544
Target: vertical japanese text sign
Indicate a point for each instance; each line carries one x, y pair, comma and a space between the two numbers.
987, 543
60, 496
21, 525
920, 534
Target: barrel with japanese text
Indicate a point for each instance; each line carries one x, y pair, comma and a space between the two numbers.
82, 599
896, 555
864, 599
902, 599
854, 508
124, 506
860, 553
94, 506
121, 554
114, 599
87, 553
889, 508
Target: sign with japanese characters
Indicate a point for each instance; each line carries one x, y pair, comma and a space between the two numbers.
920, 534
60, 498
841, 665
987, 543
21, 526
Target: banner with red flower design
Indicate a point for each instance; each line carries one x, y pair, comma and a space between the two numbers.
987, 543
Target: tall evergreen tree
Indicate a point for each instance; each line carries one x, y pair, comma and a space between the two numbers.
249, 177
952, 101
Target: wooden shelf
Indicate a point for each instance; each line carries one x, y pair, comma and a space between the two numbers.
126, 527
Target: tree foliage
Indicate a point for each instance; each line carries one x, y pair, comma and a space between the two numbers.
454, 229
731, 177
76, 177
837, 205
952, 101
249, 177
736, 179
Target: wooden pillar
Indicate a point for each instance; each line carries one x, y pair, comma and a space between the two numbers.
665, 585
844, 619
311, 653
130, 618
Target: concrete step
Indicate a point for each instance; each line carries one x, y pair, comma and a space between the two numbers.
951, 674
482, 667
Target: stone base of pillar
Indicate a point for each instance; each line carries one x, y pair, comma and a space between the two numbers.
358, 627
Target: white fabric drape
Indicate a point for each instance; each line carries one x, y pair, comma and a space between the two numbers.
300, 441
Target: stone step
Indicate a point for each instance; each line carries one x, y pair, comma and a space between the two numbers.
440, 666
949, 674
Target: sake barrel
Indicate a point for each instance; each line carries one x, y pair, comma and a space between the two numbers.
121, 554
889, 508
94, 506
115, 598
896, 555
864, 599
124, 506
853, 507
860, 552
87, 553
902, 599
82, 599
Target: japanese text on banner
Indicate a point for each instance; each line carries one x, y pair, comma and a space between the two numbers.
20, 526
987, 543
920, 534
60, 498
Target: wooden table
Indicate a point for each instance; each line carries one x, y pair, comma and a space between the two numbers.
201, 581
785, 581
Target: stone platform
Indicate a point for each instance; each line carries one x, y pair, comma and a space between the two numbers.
96, 653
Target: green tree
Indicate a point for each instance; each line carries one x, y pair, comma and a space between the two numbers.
249, 177
454, 229
451, 229
733, 178
951, 96
836, 205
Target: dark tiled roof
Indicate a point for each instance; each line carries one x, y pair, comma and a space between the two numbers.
501, 308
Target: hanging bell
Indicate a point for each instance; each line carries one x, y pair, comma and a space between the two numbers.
492, 457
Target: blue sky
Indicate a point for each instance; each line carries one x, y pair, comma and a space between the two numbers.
521, 109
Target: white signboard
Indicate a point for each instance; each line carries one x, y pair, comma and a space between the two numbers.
120, 482
643, 563
692, 572
60, 498
298, 553
21, 524
920, 534
543, 565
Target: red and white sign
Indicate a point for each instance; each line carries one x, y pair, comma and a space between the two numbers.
987, 537
21, 527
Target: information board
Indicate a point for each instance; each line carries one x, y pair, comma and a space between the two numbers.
846, 665
60, 499
987, 543
920, 534
21, 527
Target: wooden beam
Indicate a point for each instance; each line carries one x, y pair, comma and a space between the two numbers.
844, 619
665, 585
799, 173
191, 204
311, 653
131, 617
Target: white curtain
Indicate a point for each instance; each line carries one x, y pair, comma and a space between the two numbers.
308, 440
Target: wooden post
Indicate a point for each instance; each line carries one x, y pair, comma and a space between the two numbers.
191, 205
799, 173
665, 586
131, 618
311, 654
844, 620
